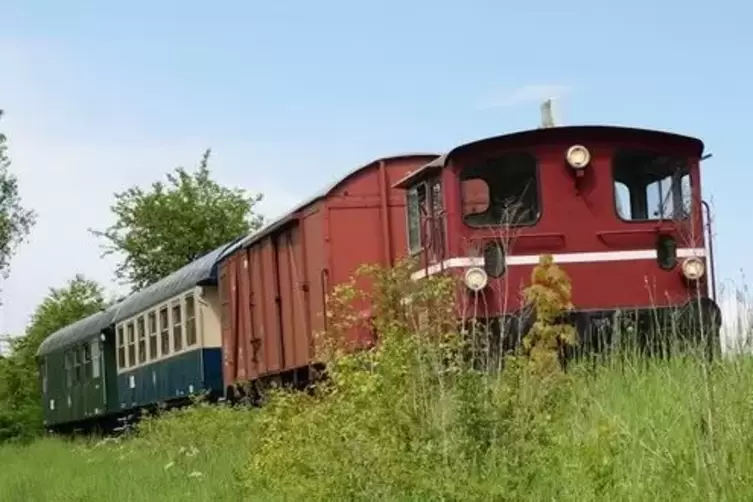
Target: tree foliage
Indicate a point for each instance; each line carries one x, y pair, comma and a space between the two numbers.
161, 230
20, 412
15, 220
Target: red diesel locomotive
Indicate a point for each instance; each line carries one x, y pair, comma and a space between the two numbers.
620, 209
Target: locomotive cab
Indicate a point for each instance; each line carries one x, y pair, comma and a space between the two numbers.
619, 209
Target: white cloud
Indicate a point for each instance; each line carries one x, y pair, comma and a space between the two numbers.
69, 174
523, 95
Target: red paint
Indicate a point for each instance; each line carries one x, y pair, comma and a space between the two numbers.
273, 288
579, 215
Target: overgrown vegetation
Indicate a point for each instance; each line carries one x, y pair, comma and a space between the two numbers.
414, 419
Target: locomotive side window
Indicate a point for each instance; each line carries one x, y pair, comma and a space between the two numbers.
416, 200
651, 186
501, 191
424, 205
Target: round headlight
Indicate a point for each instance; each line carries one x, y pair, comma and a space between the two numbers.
578, 156
693, 269
476, 279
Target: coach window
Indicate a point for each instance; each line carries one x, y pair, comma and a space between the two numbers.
141, 333
131, 345
68, 369
43, 368
650, 186
164, 328
177, 328
121, 348
95, 352
501, 190
86, 361
76, 365
190, 321
152, 322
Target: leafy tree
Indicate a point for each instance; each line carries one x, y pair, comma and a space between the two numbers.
163, 229
15, 221
20, 409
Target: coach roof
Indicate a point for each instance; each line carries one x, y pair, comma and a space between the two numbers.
200, 271
77, 332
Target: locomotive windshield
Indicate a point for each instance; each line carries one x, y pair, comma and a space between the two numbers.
651, 186
501, 190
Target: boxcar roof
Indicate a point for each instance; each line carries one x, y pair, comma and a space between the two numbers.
76, 332
199, 271
289, 216
548, 134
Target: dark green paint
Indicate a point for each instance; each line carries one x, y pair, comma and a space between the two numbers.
173, 378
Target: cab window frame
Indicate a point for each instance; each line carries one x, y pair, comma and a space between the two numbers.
433, 189
478, 164
686, 168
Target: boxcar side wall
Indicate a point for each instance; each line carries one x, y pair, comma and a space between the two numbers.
273, 292
266, 315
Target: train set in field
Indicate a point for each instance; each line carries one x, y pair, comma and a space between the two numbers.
619, 209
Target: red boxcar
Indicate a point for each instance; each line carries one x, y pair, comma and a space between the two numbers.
273, 286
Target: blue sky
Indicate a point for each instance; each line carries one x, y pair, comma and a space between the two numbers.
291, 95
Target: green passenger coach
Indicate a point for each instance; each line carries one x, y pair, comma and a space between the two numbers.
78, 372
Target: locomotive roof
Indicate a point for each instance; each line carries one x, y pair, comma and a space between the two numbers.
598, 132
200, 271
288, 217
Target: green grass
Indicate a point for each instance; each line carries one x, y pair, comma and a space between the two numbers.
663, 431
412, 420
